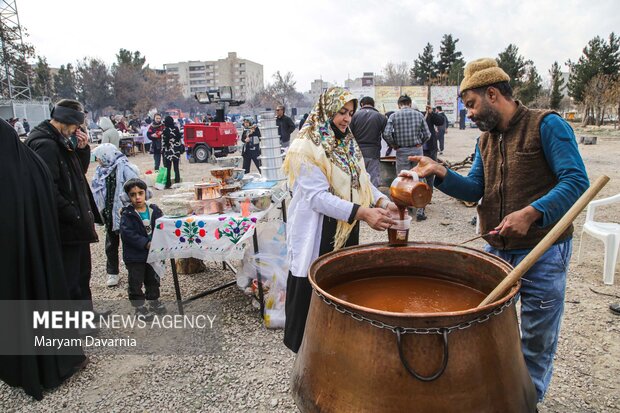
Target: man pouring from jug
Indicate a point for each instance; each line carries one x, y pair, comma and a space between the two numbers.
527, 172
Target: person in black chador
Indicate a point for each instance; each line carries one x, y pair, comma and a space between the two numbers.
251, 149
31, 269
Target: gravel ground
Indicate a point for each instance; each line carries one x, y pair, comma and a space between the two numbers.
251, 372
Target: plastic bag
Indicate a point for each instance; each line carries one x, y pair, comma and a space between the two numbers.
274, 272
272, 263
160, 181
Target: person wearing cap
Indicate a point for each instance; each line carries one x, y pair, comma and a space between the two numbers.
63, 146
527, 172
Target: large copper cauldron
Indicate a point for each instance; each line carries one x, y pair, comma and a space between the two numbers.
356, 359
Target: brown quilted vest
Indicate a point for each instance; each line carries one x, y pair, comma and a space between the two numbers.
516, 174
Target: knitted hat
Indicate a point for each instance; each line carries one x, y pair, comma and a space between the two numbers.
482, 72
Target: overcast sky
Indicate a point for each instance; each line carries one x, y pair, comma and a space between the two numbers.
315, 38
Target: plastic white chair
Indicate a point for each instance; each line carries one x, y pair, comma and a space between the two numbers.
608, 232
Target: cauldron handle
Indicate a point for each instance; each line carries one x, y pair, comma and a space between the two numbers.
444, 362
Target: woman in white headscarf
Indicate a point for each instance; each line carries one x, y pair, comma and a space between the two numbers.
113, 171
332, 192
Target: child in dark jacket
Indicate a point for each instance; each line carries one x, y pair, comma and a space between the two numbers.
137, 223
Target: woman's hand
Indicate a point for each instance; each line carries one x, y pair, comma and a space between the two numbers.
377, 218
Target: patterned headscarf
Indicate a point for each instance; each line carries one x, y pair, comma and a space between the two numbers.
339, 159
111, 160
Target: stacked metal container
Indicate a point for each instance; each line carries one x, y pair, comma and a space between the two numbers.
270, 148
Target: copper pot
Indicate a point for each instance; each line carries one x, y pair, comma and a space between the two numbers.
207, 190
208, 206
223, 174
228, 189
465, 362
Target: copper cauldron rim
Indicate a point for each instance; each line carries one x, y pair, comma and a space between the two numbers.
311, 273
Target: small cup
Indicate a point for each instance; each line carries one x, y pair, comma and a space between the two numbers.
398, 234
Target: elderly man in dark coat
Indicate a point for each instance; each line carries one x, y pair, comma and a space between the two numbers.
63, 146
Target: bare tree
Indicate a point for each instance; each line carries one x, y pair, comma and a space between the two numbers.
394, 74
281, 92
158, 90
612, 97
595, 96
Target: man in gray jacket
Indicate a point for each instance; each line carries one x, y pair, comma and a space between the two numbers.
367, 126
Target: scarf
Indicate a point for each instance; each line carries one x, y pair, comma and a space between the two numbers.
337, 155
111, 159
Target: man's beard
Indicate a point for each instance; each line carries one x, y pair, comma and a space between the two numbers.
488, 119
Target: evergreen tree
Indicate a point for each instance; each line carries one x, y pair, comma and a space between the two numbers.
64, 83
513, 64
599, 57
530, 86
449, 58
424, 67
557, 85
14, 56
128, 77
95, 84
42, 79
456, 73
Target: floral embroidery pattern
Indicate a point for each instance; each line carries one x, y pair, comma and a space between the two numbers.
234, 228
189, 231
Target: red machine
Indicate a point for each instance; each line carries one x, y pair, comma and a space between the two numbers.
206, 141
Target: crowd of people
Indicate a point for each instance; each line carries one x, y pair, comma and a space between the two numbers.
51, 213
406, 131
332, 169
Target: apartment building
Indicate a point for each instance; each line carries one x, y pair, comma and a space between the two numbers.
244, 76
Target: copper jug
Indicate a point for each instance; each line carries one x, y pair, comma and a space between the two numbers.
409, 191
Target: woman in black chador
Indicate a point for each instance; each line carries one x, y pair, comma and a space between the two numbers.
30, 252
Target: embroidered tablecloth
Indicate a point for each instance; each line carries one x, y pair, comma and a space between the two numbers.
206, 237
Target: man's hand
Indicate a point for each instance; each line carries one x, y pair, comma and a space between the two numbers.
82, 139
378, 218
247, 140
426, 166
518, 223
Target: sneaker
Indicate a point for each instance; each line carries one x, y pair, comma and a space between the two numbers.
143, 313
157, 307
112, 280
615, 308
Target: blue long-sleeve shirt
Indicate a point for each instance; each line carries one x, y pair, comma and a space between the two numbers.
561, 151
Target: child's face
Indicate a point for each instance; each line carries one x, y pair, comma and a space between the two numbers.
137, 196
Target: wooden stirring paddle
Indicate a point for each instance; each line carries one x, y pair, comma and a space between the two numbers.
544, 244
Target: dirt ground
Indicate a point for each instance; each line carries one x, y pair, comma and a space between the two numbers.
251, 373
